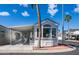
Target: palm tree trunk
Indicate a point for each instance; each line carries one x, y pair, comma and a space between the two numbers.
68, 32
39, 25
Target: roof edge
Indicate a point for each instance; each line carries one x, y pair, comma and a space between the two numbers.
48, 19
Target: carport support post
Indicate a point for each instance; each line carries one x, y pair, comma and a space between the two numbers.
10, 35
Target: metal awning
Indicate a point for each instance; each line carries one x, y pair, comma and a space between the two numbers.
23, 28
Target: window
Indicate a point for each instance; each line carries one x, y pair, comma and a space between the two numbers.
37, 32
46, 32
46, 25
2, 34
53, 32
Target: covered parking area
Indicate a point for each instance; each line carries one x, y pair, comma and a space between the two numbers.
27, 34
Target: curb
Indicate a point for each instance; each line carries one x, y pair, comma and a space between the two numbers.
71, 48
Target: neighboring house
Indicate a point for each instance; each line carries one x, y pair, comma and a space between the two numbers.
30, 34
4, 36
7, 35
73, 34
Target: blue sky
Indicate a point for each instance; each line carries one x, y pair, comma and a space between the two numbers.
73, 10
23, 14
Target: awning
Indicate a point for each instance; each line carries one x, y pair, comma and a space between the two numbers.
23, 28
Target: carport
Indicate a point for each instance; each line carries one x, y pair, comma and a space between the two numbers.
27, 33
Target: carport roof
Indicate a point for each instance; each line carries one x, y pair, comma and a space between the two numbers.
23, 28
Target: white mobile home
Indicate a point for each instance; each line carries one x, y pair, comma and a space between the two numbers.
30, 34
49, 29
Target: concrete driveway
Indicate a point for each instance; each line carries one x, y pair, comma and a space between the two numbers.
28, 49
15, 48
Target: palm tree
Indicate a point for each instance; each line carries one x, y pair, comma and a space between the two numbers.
68, 19
39, 23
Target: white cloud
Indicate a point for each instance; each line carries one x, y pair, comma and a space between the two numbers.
77, 9
25, 13
52, 10
24, 5
4, 13
14, 10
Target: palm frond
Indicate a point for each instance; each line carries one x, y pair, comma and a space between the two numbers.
68, 18
32, 5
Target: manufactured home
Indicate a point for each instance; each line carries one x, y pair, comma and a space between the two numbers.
49, 29
30, 34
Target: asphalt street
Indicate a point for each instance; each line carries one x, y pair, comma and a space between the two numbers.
75, 52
